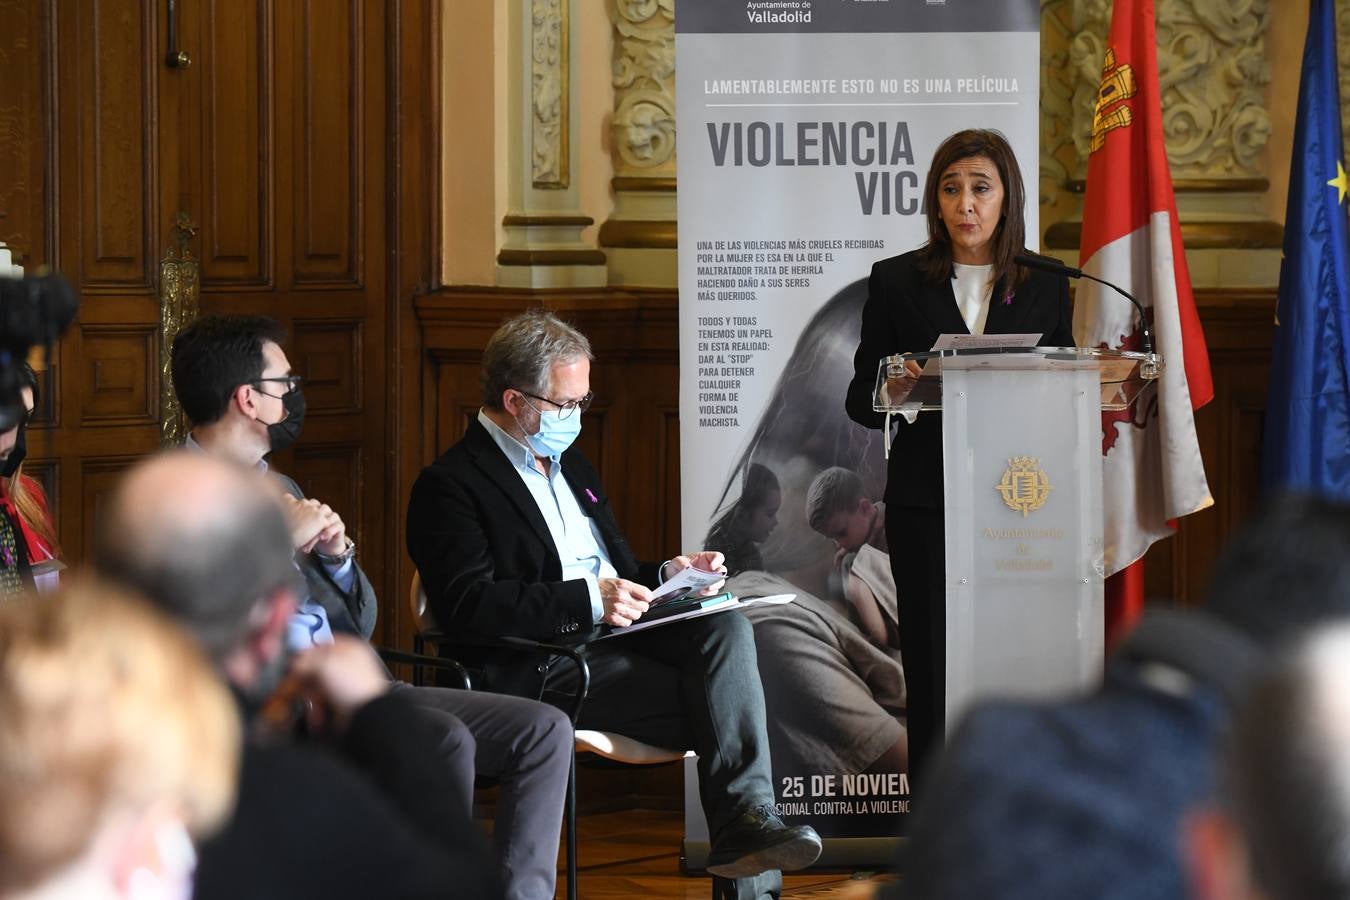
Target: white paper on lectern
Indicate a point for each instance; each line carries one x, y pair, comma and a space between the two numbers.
911, 409
984, 341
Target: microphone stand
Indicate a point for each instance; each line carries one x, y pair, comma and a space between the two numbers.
1151, 366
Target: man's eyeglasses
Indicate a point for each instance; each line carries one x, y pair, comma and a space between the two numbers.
290, 381
565, 407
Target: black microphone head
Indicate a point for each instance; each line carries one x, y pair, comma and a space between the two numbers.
1046, 264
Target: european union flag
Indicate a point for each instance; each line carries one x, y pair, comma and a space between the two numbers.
1307, 442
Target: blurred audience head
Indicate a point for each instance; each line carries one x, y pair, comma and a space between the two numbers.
204, 540
1280, 829
118, 744
1286, 570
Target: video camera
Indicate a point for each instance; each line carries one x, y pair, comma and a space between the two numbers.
33, 310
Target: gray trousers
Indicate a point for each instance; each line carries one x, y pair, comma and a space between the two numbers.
688, 685
527, 747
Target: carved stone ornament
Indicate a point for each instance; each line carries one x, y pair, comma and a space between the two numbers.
644, 85
549, 93
1212, 67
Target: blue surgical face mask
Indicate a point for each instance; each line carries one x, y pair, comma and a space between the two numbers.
555, 433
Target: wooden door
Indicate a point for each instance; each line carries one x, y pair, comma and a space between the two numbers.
270, 146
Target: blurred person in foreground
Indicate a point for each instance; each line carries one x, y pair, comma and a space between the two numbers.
1086, 797
29, 552
360, 807
1279, 827
118, 747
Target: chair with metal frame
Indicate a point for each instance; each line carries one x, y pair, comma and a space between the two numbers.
604, 744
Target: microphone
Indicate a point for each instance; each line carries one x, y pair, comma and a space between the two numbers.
1058, 268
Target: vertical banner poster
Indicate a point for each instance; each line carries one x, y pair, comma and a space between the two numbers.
804, 133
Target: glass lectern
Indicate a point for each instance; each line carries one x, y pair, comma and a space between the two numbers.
1022, 472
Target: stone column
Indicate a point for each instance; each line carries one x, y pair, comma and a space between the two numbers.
1214, 75
542, 245
639, 237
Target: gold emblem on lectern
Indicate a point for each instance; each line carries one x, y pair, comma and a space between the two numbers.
1025, 486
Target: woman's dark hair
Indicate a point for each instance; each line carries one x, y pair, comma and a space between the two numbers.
935, 259
729, 534
756, 483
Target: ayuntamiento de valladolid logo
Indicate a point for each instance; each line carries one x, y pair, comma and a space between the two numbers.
778, 12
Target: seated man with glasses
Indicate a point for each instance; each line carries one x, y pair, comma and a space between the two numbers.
513, 536
236, 387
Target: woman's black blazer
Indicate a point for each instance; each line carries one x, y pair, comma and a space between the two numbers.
904, 313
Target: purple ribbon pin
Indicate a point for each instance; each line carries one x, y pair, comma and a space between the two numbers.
1007, 298
591, 496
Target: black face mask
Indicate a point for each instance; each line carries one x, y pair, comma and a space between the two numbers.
16, 455
281, 435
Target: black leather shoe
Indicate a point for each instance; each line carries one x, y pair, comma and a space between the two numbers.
758, 841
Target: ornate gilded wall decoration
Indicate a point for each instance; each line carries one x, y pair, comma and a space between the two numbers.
179, 285
1213, 71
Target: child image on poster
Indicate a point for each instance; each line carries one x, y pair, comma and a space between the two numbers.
833, 685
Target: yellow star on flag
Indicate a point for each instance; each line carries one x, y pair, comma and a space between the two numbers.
1341, 182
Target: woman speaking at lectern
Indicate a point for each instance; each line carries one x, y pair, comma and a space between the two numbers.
964, 280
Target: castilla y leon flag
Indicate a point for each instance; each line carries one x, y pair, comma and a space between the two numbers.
1152, 471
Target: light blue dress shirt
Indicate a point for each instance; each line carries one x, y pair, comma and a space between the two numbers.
574, 533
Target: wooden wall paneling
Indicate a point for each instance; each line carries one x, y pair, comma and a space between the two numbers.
119, 375
1238, 332
412, 123
24, 71
114, 140
237, 149
668, 482
329, 128
330, 97
46, 473
331, 355
98, 477
333, 472
104, 152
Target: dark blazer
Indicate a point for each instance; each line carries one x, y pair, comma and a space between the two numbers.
348, 613
311, 821
904, 313
487, 559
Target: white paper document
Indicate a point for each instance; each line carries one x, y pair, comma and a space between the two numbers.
687, 581
729, 603
985, 341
